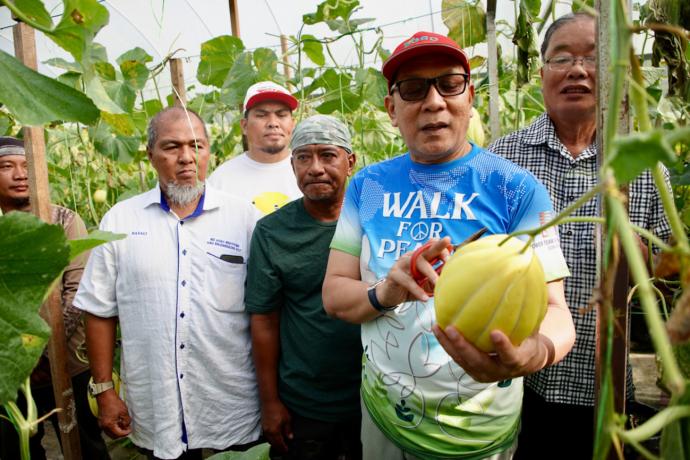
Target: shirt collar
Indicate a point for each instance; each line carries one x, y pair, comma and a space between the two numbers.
542, 131
209, 200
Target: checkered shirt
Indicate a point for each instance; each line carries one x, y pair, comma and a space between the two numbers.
538, 149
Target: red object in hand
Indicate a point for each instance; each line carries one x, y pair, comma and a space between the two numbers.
436, 263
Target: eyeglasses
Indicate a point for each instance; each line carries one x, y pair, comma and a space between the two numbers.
563, 63
416, 89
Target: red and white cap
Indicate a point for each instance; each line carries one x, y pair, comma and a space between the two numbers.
268, 91
423, 43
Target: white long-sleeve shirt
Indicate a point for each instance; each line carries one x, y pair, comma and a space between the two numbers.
177, 287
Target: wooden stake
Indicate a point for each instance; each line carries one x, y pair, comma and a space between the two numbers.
177, 77
234, 18
494, 99
286, 62
34, 145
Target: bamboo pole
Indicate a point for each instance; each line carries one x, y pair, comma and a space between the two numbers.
34, 144
177, 77
620, 308
234, 18
494, 100
286, 62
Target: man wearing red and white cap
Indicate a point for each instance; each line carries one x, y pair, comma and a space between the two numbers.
263, 174
426, 392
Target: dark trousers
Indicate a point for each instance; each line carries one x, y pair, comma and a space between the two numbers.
551, 430
92, 445
318, 440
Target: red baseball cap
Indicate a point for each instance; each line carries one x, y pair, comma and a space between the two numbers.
422, 43
268, 91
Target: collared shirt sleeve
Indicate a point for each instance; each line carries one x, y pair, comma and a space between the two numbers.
348, 233
264, 292
96, 293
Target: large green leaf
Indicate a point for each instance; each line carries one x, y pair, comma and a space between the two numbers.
217, 58
331, 10
632, 154
313, 48
119, 148
675, 437
80, 22
135, 54
259, 452
135, 74
95, 238
32, 255
248, 69
466, 21
121, 93
36, 99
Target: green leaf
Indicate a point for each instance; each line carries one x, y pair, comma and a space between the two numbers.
466, 22
135, 54
122, 123
675, 437
71, 79
122, 94
331, 10
5, 124
36, 99
259, 452
118, 148
344, 101
248, 69
634, 153
313, 49
135, 74
34, 11
64, 64
152, 107
105, 70
95, 238
266, 62
32, 255
217, 58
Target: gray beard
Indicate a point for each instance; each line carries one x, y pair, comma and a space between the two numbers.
183, 194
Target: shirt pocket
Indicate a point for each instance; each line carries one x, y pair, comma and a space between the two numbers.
224, 282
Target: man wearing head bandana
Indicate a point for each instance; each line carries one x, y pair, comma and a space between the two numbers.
309, 395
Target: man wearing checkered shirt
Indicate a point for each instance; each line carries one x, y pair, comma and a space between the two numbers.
559, 148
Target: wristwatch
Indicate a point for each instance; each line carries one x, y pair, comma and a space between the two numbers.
374, 301
98, 388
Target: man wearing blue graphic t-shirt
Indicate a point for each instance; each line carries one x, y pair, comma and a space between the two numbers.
426, 392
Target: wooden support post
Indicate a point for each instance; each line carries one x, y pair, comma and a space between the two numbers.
620, 307
177, 77
234, 18
492, 58
34, 144
286, 62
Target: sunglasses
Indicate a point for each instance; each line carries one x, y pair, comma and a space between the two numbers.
416, 89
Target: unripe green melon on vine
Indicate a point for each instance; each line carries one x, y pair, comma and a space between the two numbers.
485, 286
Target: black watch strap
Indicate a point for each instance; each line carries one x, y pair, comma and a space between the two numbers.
374, 301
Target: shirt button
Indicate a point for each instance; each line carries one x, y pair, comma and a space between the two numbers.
571, 198
184, 252
181, 376
184, 283
182, 346
182, 222
182, 315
